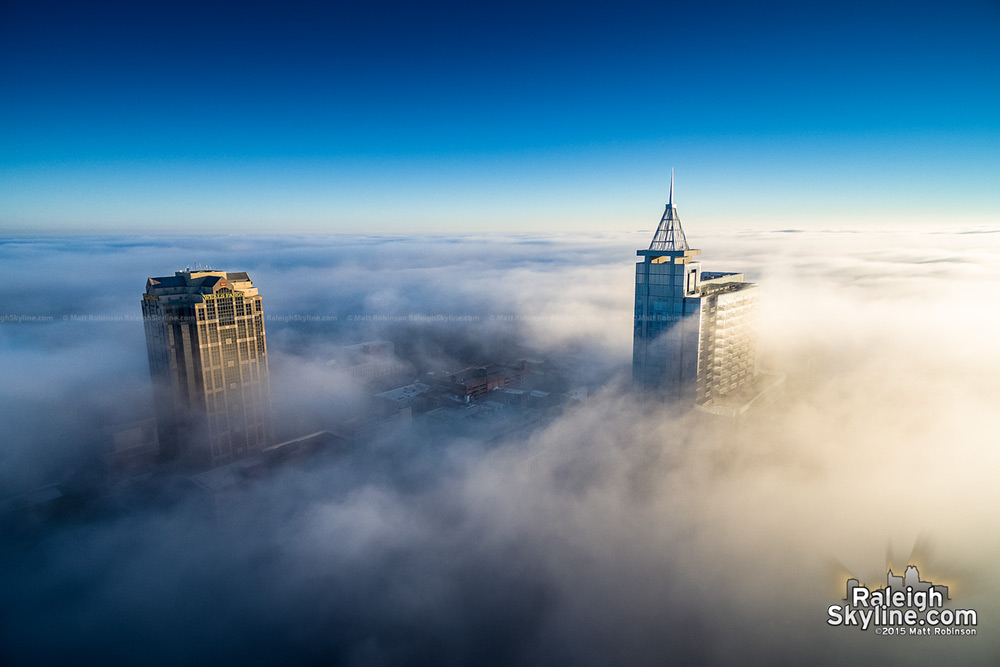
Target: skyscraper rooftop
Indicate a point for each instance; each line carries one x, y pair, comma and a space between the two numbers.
669, 236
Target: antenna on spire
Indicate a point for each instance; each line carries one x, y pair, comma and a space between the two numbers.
671, 201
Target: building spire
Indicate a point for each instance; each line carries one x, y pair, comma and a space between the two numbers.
669, 236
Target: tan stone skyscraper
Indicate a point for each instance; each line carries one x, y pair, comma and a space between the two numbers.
208, 361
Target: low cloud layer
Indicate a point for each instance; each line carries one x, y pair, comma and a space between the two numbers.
619, 533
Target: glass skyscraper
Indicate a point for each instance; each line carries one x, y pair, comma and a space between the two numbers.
208, 362
693, 337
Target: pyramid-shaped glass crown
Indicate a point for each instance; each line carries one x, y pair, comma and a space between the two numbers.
669, 236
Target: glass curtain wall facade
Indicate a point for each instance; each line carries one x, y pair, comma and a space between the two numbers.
693, 335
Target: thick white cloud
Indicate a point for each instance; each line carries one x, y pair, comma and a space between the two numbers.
619, 533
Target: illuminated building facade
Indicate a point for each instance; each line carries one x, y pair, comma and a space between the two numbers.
208, 361
693, 336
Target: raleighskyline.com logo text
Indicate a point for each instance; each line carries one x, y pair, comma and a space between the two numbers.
905, 606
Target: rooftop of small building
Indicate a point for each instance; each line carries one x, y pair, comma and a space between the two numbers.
478, 372
403, 393
480, 411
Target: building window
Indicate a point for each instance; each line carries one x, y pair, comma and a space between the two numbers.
226, 315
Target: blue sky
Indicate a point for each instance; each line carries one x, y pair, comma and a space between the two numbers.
406, 117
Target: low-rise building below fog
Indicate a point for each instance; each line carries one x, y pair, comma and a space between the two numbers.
369, 362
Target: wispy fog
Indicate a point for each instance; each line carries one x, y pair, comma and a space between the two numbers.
617, 533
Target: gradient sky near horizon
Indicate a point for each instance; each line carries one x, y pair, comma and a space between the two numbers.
152, 117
